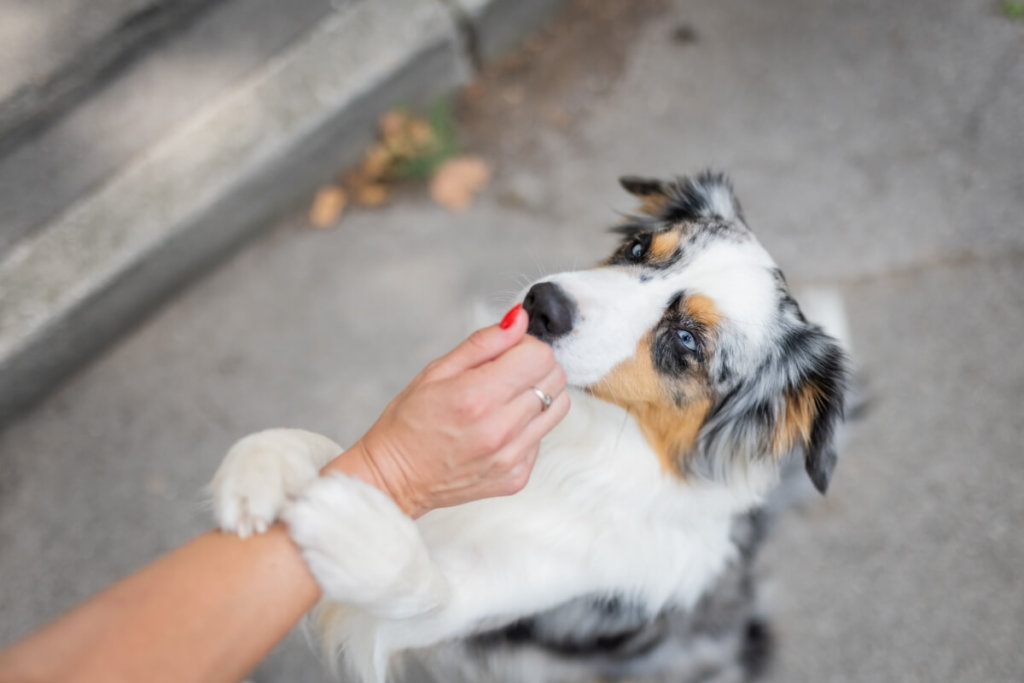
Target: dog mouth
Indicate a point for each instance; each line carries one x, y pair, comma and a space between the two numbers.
552, 312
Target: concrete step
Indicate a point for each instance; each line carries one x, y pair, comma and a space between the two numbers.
55, 53
65, 157
170, 166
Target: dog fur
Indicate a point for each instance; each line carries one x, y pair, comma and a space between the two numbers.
694, 377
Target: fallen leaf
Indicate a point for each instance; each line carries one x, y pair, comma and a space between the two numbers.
376, 162
457, 181
392, 123
327, 206
371, 194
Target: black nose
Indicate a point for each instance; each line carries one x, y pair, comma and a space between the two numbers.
551, 311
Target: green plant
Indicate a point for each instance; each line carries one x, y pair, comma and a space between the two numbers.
421, 164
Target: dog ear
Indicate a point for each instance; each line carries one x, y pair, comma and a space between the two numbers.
641, 187
653, 193
794, 403
707, 195
813, 402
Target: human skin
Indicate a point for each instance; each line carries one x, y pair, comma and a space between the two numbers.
467, 427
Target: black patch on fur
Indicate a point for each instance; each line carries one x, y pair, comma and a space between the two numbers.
623, 255
628, 644
634, 234
724, 363
690, 198
630, 229
617, 630
606, 633
515, 633
668, 358
668, 355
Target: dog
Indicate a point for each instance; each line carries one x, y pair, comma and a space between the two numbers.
694, 378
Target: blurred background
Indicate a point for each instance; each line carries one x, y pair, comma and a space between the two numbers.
209, 225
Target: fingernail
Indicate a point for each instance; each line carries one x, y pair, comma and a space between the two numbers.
510, 317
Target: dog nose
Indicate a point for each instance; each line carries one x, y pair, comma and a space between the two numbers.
551, 311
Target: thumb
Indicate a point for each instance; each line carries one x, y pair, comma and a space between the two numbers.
484, 345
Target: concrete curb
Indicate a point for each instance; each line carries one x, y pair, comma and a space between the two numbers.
73, 286
46, 91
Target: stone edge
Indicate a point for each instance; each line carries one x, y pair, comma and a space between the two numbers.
72, 288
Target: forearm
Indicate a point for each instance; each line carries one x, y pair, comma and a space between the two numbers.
212, 609
208, 611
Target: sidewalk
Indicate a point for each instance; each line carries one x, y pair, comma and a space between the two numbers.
876, 149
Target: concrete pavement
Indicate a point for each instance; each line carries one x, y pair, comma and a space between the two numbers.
876, 148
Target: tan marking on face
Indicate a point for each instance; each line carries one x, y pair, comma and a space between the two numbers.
670, 429
663, 245
702, 309
801, 409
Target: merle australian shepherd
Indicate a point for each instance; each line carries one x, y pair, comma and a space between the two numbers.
694, 377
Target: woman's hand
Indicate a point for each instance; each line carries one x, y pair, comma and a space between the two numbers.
468, 426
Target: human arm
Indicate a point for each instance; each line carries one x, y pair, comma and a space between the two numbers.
465, 428
208, 611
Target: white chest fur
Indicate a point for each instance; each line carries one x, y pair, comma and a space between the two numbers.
599, 517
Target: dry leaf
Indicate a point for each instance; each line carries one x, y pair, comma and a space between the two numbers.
376, 161
457, 181
392, 123
402, 137
371, 194
327, 206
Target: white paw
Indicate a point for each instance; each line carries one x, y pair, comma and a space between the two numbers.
363, 550
262, 474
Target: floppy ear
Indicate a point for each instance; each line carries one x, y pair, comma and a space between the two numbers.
813, 402
653, 193
794, 402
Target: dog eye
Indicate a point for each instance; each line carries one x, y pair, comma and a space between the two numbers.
637, 249
686, 339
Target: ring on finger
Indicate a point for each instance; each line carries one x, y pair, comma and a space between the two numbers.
545, 399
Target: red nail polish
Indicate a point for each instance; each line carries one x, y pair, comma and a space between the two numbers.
510, 317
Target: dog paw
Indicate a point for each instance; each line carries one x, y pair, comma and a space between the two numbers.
262, 474
363, 550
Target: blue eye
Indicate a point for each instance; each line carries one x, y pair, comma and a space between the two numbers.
637, 251
686, 339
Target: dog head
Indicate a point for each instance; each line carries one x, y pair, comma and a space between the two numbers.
689, 326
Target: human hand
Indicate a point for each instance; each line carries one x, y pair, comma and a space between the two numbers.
468, 426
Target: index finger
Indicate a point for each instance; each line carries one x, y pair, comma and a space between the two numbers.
516, 370
483, 345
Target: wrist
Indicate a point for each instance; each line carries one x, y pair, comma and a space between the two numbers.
358, 461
